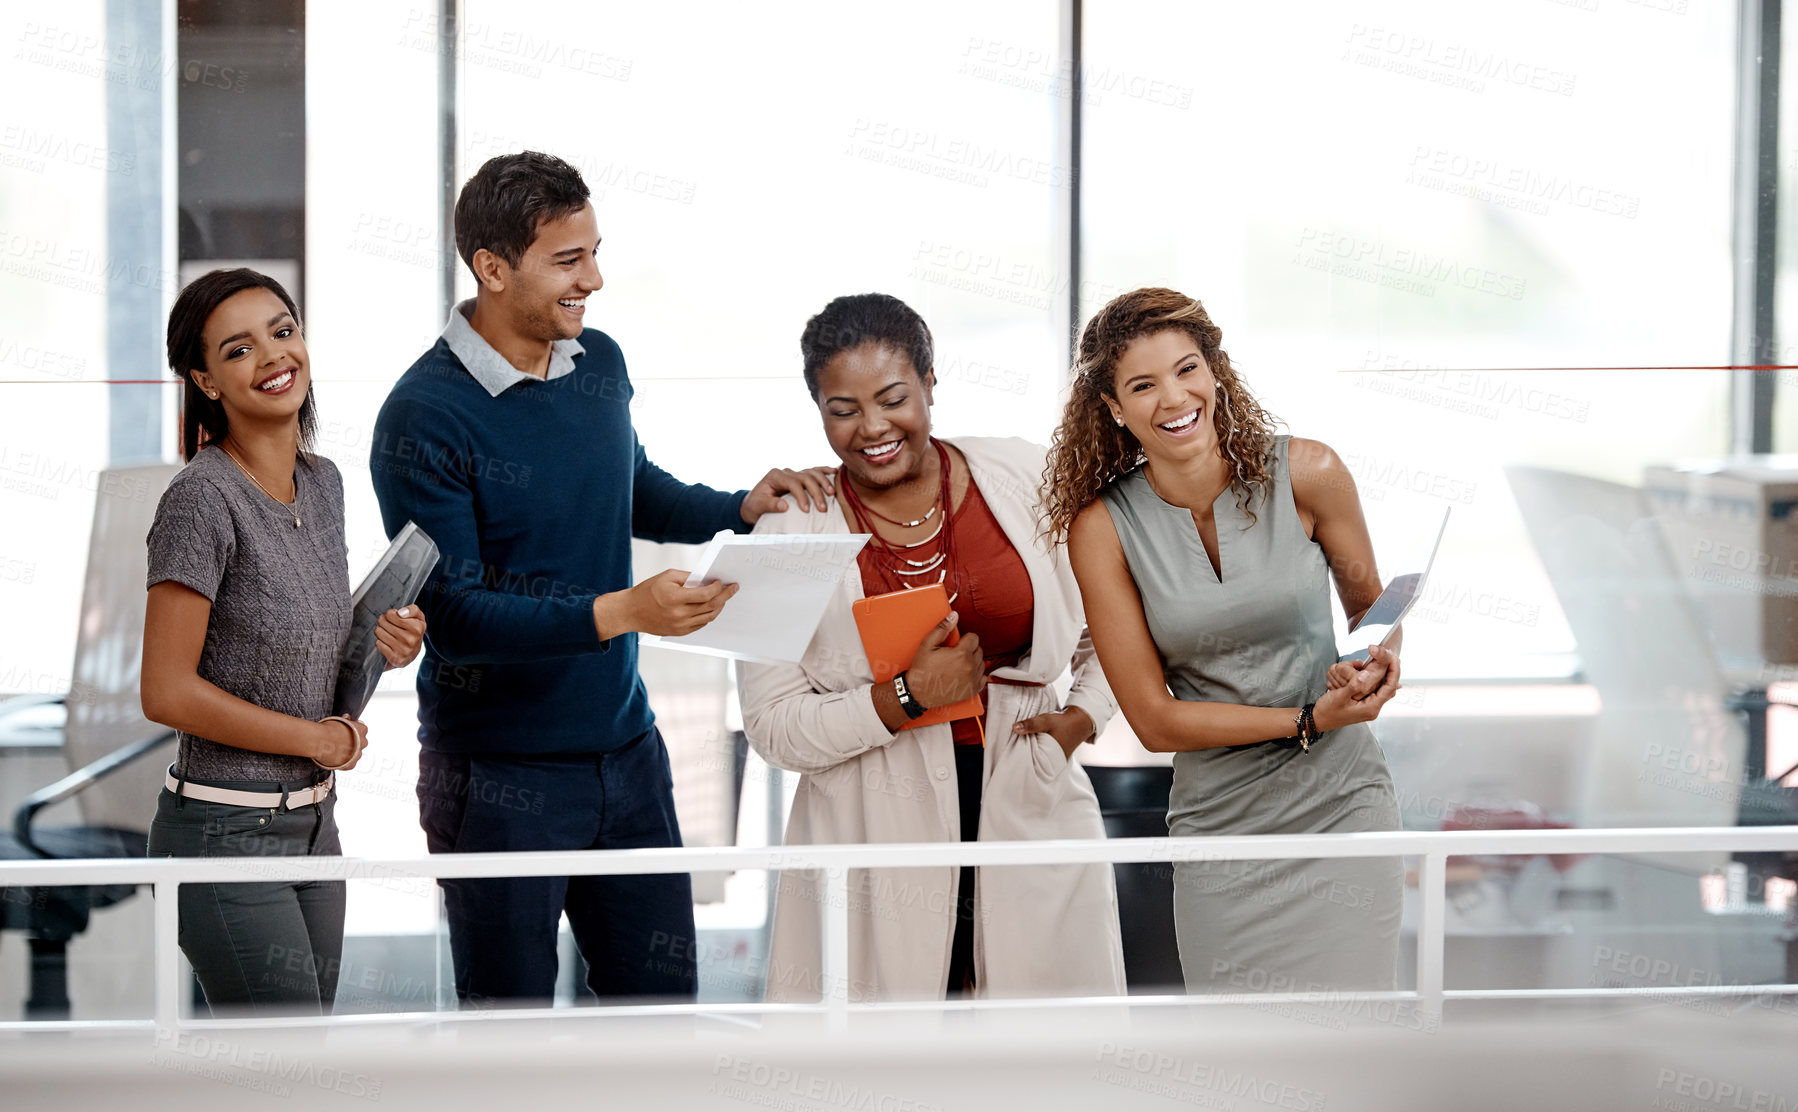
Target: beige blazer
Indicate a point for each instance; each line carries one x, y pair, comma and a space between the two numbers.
1040, 930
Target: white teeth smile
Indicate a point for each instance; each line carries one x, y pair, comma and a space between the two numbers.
879, 450
279, 382
572, 302
1176, 426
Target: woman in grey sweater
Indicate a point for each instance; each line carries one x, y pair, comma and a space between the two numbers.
1204, 545
248, 613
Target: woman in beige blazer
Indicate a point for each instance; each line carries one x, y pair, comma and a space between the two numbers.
964, 513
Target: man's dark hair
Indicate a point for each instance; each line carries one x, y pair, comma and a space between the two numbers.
850, 321
507, 198
203, 419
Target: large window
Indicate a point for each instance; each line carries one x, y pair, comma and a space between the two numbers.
739, 189
1449, 240
1377, 202
56, 163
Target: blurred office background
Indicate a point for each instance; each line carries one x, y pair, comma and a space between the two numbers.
1495, 253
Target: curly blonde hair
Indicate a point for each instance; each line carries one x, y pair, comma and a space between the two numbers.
1090, 450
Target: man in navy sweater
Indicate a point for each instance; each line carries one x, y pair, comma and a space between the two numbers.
510, 443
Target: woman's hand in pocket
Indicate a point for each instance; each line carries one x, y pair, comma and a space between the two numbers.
1068, 727
400, 634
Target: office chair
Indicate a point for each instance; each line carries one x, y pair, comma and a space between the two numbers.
105, 738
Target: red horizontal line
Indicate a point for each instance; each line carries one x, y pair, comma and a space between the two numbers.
1496, 370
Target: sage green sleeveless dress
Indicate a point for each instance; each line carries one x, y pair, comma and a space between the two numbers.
1260, 635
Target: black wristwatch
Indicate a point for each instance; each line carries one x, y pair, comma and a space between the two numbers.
907, 702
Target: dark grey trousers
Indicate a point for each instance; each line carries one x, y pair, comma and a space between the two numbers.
258, 947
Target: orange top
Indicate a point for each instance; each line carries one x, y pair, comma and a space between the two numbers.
992, 587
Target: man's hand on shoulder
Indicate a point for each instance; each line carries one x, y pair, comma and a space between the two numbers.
811, 488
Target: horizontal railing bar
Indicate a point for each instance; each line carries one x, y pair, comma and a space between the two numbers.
74, 1026
1621, 990
755, 1008
748, 1007
1146, 1000
1458, 843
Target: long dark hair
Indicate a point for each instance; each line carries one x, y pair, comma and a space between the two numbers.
203, 419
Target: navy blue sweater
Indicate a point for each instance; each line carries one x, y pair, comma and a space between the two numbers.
532, 497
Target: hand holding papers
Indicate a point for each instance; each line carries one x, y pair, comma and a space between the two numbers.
785, 582
1382, 619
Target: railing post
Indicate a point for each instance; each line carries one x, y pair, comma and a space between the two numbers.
836, 945
1432, 878
165, 956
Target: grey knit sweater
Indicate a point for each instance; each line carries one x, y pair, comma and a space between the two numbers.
280, 597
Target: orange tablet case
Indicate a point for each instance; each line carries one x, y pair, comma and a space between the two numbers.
893, 626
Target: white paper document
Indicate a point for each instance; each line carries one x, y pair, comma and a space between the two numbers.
1382, 619
786, 580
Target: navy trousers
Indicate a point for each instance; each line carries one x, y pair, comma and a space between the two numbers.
635, 932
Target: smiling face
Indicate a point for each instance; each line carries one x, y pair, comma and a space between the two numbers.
876, 412
545, 295
1165, 395
256, 361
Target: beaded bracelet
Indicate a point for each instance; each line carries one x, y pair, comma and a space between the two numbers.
1307, 727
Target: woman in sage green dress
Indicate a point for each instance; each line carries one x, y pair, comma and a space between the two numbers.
1203, 545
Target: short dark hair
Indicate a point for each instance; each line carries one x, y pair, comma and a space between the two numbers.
187, 354
850, 321
507, 198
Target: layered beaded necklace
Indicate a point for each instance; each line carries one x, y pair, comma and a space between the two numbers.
901, 566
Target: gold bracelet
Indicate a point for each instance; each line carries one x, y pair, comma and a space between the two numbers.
356, 744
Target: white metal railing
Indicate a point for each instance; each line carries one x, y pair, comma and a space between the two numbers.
1434, 849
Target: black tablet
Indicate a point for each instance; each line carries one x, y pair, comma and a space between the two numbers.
395, 581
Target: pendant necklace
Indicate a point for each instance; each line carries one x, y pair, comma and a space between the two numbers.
248, 475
